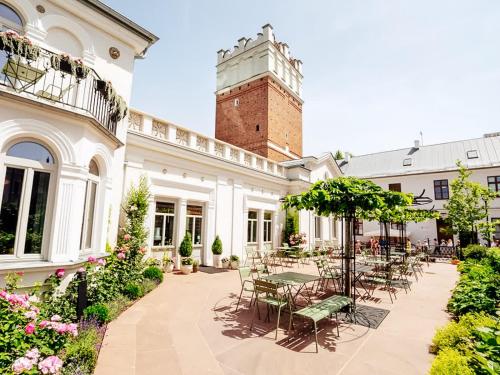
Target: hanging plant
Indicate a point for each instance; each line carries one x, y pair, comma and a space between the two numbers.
67, 64
118, 106
20, 45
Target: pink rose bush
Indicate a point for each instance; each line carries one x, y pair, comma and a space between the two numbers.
298, 239
31, 360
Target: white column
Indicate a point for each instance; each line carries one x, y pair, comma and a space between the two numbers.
209, 231
276, 229
239, 220
147, 125
260, 227
172, 133
180, 218
150, 224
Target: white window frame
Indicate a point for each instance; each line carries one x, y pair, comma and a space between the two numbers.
164, 223
317, 227
7, 24
195, 219
29, 166
268, 225
254, 227
91, 180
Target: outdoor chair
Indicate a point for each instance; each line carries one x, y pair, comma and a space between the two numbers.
246, 284
262, 270
252, 256
327, 274
381, 278
267, 292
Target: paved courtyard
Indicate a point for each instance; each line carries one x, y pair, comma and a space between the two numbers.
188, 326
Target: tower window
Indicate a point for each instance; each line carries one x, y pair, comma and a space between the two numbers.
236, 102
257, 127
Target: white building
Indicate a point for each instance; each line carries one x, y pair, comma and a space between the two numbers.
429, 170
61, 140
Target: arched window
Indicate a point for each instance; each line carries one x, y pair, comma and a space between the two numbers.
26, 191
90, 206
10, 19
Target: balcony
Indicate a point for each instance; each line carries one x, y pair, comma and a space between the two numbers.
58, 80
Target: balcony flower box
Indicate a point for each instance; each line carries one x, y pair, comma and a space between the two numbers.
118, 106
15, 44
66, 64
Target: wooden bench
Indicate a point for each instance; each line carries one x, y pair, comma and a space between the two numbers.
318, 311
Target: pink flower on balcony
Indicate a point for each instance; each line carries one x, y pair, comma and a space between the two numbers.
50, 365
60, 273
91, 259
21, 365
127, 237
29, 329
121, 256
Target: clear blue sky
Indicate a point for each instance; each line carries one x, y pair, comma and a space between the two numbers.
376, 73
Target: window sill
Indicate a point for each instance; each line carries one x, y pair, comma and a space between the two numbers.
34, 265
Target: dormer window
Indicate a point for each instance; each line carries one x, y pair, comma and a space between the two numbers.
407, 162
472, 154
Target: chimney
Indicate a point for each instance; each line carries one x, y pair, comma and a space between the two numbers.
267, 30
416, 143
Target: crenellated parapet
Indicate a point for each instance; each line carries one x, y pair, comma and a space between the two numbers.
263, 55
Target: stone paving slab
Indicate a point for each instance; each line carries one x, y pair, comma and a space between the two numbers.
188, 326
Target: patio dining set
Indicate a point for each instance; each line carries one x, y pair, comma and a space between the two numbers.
270, 279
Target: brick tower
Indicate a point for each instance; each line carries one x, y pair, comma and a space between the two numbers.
258, 97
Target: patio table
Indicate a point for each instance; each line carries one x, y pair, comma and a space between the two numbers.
291, 280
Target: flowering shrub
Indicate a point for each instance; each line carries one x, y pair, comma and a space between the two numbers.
29, 341
12, 42
297, 239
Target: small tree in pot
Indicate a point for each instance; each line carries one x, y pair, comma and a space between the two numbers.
217, 252
185, 251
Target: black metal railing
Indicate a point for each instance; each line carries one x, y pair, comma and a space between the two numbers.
78, 90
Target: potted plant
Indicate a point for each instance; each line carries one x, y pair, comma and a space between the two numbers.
66, 64
13, 43
217, 252
225, 263
118, 106
235, 261
187, 265
168, 263
455, 261
196, 265
185, 251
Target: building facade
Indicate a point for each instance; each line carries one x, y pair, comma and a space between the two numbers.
428, 171
61, 138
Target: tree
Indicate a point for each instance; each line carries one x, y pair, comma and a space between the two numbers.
468, 205
291, 224
349, 198
339, 155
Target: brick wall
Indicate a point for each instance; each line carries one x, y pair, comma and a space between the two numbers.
265, 111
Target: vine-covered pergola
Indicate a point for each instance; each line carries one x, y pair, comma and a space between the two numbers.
352, 199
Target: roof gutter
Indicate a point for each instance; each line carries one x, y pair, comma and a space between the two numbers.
123, 21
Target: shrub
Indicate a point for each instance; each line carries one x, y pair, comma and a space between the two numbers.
234, 258
186, 247
457, 334
153, 273
187, 261
99, 312
217, 246
476, 252
81, 352
450, 362
133, 291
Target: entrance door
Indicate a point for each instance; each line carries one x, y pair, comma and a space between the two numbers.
443, 230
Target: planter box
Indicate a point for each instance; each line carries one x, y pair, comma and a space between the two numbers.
225, 265
235, 264
169, 267
186, 270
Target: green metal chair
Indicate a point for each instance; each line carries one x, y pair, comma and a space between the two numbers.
267, 292
246, 284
